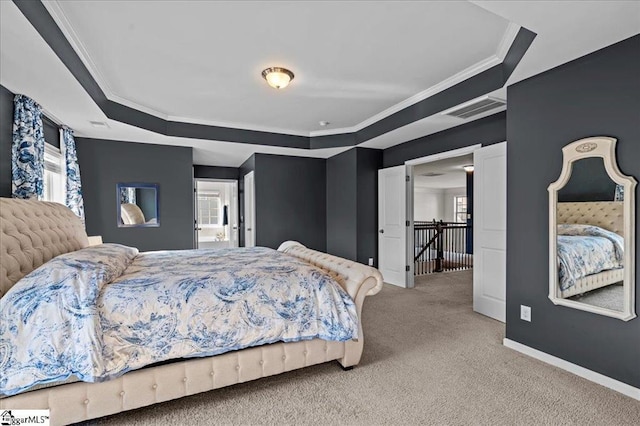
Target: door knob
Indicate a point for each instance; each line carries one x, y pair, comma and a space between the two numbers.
381, 231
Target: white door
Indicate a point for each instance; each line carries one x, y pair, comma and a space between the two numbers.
490, 231
392, 229
249, 211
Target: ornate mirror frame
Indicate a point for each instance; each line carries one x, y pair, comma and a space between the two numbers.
605, 148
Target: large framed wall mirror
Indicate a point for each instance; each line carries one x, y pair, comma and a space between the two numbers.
592, 231
137, 205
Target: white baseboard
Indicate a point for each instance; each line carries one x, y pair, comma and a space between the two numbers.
585, 373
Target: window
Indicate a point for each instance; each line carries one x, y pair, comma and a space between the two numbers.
209, 209
54, 179
460, 208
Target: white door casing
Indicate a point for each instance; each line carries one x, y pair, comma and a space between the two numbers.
392, 229
410, 253
228, 197
233, 216
490, 231
249, 210
196, 225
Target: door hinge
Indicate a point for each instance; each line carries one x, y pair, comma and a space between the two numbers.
407, 268
407, 178
408, 223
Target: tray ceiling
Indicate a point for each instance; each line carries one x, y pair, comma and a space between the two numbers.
35, 61
200, 62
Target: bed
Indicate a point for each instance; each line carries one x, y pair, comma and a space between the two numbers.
38, 235
605, 215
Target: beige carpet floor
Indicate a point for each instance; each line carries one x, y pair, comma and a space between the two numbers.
428, 359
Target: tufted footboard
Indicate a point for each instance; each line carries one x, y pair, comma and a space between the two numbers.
357, 279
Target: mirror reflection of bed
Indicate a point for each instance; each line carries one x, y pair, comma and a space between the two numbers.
591, 252
138, 205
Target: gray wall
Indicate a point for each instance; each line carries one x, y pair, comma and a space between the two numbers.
51, 131
290, 201
598, 94
6, 132
213, 172
485, 131
342, 205
103, 164
369, 162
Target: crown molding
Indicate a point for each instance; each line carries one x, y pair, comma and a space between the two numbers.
507, 40
443, 85
57, 13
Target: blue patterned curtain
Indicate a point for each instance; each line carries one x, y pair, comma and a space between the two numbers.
128, 195
73, 197
27, 150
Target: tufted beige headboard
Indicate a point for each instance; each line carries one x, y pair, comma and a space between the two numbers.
32, 233
605, 214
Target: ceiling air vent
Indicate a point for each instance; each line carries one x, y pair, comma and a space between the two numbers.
475, 107
99, 124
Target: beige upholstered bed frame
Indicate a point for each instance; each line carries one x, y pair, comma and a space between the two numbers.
605, 214
33, 232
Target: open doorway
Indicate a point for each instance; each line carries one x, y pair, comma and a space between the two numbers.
443, 215
396, 245
216, 213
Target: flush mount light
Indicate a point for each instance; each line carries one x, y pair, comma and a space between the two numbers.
277, 77
468, 168
324, 123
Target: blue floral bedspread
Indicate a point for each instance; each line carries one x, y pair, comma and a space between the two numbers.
584, 250
102, 311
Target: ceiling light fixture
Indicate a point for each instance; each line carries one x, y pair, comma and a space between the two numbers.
277, 77
468, 168
324, 123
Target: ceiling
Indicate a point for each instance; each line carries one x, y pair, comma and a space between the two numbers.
442, 174
201, 61
355, 62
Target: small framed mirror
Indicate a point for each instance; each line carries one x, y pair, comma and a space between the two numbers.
592, 231
137, 205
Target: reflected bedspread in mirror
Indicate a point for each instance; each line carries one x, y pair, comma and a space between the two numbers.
591, 231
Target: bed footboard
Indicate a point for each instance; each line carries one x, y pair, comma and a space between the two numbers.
358, 281
75, 402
